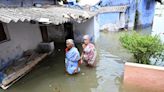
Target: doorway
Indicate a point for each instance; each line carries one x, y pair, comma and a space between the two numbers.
44, 32
68, 28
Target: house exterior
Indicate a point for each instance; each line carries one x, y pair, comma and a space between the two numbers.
158, 28
113, 19
23, 28
19, 38
140, 13
145, 13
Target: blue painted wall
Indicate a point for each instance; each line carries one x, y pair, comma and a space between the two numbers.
114, 2
130, 14
108, 18
146, 11
114, 17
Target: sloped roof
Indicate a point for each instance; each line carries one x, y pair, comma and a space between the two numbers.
52, 14
55, 15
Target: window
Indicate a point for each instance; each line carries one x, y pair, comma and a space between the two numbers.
3, 35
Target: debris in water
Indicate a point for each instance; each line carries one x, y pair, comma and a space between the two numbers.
50, 85
82, 73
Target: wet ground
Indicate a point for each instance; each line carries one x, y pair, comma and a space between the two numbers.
49, 75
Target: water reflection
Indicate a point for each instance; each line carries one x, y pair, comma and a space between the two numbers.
49, 75
109, 73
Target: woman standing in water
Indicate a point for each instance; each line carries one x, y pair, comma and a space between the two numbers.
89, 52
72, 58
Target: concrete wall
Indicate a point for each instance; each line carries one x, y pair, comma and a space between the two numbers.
113, 18
96, 29
56, 33
25, 2
112, 21
158, 28
108, 18
23, 36
90, 27
130, 14
143, 78
145, 15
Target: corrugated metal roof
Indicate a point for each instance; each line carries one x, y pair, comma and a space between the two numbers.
55, 15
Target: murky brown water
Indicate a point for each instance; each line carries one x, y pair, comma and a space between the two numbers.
49, 75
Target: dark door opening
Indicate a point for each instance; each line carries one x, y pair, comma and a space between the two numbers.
136, 22
44, 32
68, 28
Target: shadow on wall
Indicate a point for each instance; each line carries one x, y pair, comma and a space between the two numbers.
7, 57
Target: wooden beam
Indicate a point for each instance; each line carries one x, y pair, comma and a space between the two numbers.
12, 78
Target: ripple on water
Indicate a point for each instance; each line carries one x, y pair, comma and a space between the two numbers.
109, 72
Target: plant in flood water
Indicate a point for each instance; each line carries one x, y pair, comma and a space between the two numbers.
143, 47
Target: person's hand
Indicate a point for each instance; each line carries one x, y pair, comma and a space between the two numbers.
83, 46
81, 62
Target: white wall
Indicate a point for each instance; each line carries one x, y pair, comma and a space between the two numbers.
23, 36
158, 24
96, 29
90, 27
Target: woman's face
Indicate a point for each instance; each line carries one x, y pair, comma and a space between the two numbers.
69, 46
86, 41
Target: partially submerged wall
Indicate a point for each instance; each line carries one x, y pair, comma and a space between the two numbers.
23, 36
143, 78
90, 27
146, 11
112, 21
131, 14
158, 22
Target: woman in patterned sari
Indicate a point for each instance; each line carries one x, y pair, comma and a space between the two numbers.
89, 52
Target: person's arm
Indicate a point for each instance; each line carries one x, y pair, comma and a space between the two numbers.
82, 53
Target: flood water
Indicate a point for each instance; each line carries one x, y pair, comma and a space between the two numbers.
49, 75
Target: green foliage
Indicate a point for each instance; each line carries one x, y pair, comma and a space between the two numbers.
77, 1
143, 47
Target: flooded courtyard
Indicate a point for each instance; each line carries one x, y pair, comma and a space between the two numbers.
24, 28
49, 75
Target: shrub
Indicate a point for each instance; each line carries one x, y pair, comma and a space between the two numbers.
143, 47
